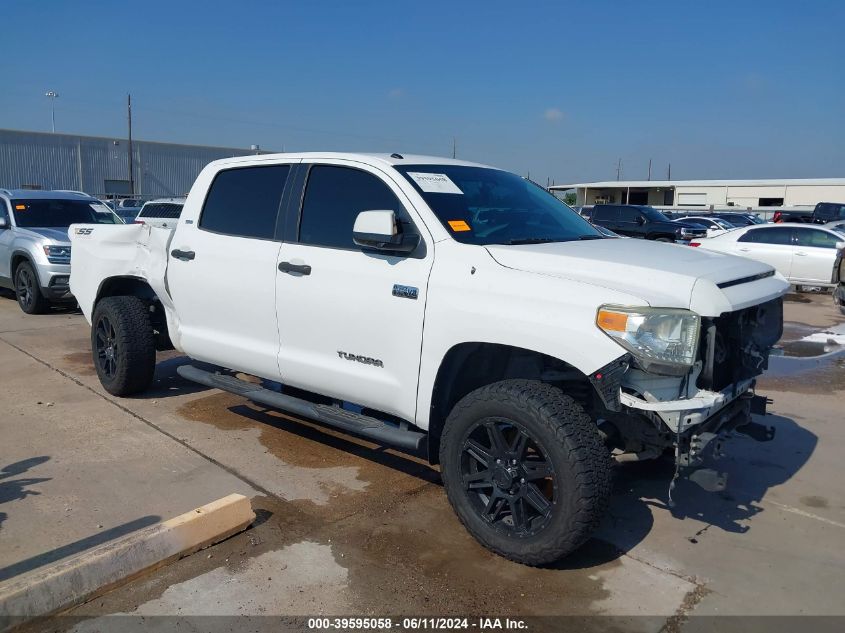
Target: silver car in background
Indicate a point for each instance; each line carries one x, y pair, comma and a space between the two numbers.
34, 243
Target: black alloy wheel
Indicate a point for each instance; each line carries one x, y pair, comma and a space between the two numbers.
107, 349
508, 477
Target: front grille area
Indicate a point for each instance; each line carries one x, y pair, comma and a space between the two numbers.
735, 346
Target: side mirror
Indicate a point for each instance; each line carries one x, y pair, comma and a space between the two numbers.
4, 223
377, 230
640, 220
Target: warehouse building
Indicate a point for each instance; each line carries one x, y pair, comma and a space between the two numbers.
100, 165
709, 193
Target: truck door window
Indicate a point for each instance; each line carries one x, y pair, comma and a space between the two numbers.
245, 201
334, 196
814, 238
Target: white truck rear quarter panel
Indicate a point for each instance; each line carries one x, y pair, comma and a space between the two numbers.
101, 251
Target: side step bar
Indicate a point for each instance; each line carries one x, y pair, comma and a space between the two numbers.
348, 421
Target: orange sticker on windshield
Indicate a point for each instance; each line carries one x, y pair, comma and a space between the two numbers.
459, 225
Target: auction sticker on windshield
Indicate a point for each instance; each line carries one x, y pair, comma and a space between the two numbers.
434, 183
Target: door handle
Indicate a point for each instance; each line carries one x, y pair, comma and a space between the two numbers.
185, 256
302, 269
801, 254
745, 250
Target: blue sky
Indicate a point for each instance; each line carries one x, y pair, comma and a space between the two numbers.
561, 90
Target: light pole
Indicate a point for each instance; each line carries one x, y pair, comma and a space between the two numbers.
52, 94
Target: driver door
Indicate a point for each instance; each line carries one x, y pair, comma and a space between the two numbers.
351, 321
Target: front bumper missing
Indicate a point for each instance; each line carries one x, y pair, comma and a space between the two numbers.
702, 425
682, 414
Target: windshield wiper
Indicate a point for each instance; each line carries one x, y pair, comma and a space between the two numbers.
537, 240
591, 237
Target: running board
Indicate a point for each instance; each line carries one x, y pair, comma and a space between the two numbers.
348, 421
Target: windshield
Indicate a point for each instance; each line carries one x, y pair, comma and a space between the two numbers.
478, 205
61, 213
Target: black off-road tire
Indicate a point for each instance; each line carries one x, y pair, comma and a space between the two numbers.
571, 441
126, 321
28, 290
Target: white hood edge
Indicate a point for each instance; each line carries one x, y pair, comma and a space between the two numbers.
663, 275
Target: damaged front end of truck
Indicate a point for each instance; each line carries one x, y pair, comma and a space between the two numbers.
655, 404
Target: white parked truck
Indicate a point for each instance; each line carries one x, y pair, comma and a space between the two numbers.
444, 307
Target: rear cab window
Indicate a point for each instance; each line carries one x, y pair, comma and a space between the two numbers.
606, 214
161, 210
245, 201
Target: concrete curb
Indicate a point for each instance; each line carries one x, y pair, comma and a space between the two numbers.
79, 578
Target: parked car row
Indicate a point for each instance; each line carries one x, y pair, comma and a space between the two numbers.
643, 222
822, 213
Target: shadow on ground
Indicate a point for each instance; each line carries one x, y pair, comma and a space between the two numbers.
17, 489
752, 468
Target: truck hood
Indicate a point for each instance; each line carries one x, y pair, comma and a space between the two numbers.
54, 235
663, 275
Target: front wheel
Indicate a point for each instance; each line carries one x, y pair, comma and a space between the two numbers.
525, 470
123, 345
28, 290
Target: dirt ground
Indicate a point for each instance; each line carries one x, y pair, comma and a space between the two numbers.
346, 527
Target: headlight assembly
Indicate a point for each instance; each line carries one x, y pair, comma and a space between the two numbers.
662, 340
57, 254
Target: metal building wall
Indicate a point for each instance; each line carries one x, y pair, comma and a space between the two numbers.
84, 163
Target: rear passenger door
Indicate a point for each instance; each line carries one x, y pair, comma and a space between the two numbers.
771, 245
350, 320
222, 270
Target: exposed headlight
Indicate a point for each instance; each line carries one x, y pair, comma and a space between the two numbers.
57, 254
663, 340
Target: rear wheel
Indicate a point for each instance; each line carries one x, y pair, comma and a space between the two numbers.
525, 470
28, 290
123, 345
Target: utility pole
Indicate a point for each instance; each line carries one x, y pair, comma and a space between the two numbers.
619, 169
131, 170
454, 148
52, 94
669, 172
649, 169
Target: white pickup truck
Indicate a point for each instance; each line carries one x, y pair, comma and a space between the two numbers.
444, 307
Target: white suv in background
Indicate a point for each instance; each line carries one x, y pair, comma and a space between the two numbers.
163, 212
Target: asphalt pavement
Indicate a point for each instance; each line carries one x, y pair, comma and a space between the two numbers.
346, 527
